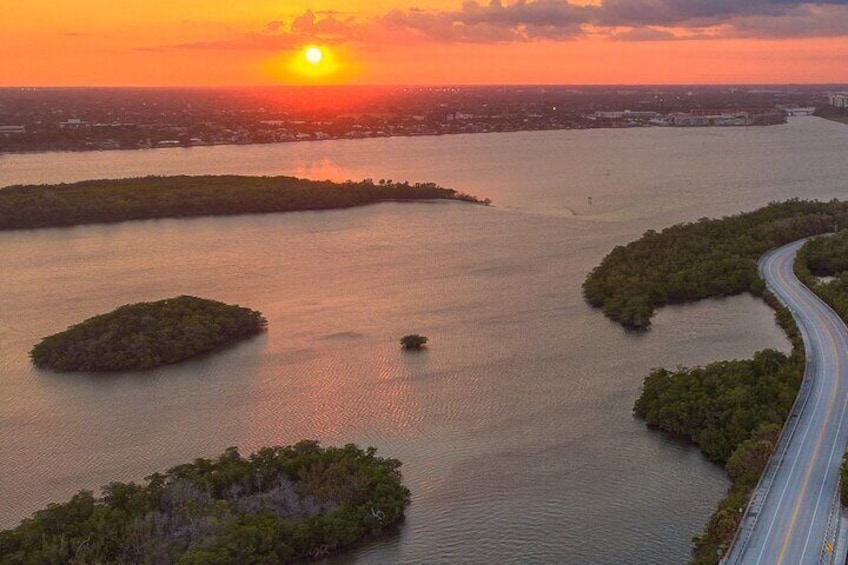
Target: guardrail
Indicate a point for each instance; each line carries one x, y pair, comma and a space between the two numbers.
761, 491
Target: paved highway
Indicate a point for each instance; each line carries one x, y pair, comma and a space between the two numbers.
793, 516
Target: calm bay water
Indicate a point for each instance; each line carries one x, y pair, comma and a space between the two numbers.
515, 427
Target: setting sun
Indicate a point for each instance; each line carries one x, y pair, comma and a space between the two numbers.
314, 55
311, 64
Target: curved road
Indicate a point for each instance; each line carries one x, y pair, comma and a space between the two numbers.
794, 514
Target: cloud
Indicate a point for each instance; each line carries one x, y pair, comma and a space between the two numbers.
243, 42
538, 13
645, 34
801, 21
502, 21
304, 23
495, 22
529, 20
311, 25
694, 12
276, 36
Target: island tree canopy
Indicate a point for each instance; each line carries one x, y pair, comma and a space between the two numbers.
707, 258
147, 334
278, 505
99, 201
413, 341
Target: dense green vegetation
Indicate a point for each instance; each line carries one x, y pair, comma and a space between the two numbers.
147, 334
707, 258
278, 505
825, 256
719, 406
733, 411
413, 341
99, 201
843, 481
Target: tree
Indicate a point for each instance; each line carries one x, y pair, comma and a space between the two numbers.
413, 341
279, 505
748, 461
147, 334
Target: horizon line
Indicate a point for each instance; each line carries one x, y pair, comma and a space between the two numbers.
422, 85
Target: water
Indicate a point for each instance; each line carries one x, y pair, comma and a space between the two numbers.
515, 426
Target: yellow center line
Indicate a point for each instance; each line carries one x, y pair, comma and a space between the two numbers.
809, 469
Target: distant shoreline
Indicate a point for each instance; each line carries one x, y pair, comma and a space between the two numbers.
375, 136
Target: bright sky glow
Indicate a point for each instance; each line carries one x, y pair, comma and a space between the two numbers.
314, 55
213, 42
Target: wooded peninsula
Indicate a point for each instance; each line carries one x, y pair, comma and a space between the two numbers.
279, 505
146, 335
703, 259
732, 410
105, 201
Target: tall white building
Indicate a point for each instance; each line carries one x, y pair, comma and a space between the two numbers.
838, 99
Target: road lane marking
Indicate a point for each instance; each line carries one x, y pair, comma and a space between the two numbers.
787, 294
837, 327
787, 535
821, 314
818, 367
834, 391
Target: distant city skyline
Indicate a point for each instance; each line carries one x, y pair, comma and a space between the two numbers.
263, 42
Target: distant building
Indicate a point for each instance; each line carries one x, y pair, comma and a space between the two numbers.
838, 99
626, 115
113, 126
683, 119
108, 144
702, 118
9, 130
806, 111
73, 123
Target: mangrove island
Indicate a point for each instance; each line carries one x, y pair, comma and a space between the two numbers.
413, 342
152, 197
278, 505
147, 334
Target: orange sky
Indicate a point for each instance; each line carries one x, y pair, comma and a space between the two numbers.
215, 42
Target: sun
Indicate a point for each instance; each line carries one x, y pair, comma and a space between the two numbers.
314, 55
311, 64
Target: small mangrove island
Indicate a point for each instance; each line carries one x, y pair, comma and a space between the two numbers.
146, 335
413, 342
732, 410
279, 505
105, 201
